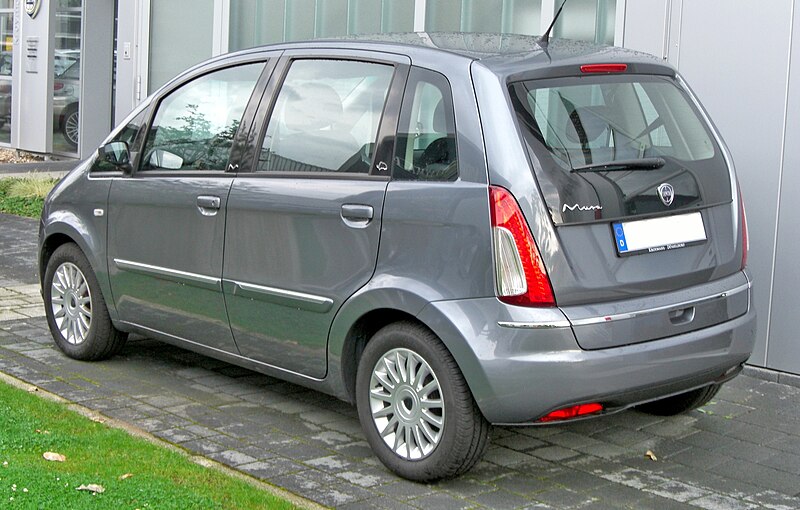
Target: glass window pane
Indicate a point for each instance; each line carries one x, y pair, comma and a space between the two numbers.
397, 16
173, 26
522, 17
426, 139
6, 61
588, 20
331, 18
195, 125
67, 82
443, 16
256, 22
326, 117
299, 20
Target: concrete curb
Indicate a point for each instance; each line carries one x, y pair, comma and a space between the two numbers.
768, 374
142, 434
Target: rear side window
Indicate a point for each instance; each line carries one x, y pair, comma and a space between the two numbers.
426, 139
326, 117
602, 146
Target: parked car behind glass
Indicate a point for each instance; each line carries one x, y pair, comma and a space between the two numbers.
447, 230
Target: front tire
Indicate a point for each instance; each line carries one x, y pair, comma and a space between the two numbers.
682, 403
75, 309
415, 407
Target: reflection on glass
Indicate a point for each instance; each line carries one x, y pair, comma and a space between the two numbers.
256, 22
195, 125
504, 16
588, 20
67, 69
6, 56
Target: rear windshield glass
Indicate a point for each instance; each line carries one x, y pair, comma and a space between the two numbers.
614, 147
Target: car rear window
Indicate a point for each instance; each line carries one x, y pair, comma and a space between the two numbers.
602, 147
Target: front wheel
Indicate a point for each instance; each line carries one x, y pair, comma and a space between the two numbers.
75, 309
678, 404
414, 405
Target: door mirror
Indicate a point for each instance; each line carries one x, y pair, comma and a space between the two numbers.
117, 155
165, 159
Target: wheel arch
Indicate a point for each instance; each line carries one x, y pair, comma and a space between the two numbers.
370, 310
72, 230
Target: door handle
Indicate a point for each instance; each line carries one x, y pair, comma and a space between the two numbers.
208, 205
357, 215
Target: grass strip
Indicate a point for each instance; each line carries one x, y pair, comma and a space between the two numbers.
134, 473
24, 196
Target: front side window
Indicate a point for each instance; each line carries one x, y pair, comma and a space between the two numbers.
326, 117
603, 146
194, 126
426, 138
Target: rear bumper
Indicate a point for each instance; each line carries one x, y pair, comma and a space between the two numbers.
518, 375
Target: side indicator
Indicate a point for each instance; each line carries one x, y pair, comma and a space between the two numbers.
604, 68
568, 413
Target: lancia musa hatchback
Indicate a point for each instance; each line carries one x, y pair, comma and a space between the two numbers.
447, 230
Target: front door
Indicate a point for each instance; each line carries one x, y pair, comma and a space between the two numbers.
303, 226
165, 247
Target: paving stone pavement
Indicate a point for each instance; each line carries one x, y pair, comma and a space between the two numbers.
740, 451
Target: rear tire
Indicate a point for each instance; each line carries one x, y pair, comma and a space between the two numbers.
682, 403
76, 312
415, 407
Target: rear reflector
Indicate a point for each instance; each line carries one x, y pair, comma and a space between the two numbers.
572, 412
521, 276
604, 68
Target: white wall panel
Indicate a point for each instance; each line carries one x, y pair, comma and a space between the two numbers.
743, 85
784, 341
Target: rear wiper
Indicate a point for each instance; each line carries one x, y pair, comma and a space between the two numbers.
623, 164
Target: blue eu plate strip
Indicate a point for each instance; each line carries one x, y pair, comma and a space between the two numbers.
619, 235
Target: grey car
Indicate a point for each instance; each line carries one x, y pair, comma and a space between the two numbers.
447, 230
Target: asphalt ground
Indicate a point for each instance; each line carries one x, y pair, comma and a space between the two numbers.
742, 450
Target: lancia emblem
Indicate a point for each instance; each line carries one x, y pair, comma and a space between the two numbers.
32, 7
666, 193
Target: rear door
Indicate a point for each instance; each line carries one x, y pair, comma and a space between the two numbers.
304, 221
167, 220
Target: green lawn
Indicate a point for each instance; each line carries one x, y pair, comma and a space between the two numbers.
24, 196
134, 473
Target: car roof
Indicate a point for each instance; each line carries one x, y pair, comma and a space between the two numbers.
502, 53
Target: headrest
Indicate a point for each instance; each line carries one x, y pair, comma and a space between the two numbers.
586, 124
311, 106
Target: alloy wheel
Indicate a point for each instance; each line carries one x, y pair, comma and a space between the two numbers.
406, 404
71, 302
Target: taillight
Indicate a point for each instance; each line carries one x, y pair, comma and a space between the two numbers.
521, 276
58, 85
743, 222
568, 413
604, 68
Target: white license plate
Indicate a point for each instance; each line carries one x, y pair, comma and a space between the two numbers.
658, 234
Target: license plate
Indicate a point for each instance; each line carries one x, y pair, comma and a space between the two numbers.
658, 234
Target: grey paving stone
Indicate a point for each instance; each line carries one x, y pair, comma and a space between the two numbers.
679, 491
718, 502
525, 484
554, 453
271, 468
442, 501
